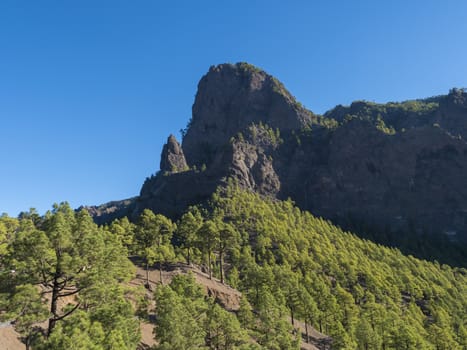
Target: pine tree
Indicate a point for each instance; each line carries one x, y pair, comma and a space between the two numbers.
187, 231
223, 330
67, 256
176, 328
208, 240
152, 237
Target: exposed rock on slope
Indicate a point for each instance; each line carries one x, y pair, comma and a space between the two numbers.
229, 99
172, 158
112, 210
392, 167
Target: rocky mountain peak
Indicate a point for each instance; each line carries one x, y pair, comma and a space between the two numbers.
370, 167
172, 157
231, 97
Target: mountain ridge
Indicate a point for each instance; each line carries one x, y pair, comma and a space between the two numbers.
389, 169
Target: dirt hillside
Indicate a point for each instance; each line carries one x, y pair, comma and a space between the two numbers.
226, 296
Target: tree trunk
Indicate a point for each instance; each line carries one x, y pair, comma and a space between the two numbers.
209, 265
306, 332
188, 258
27, 342
292, 318
221, 260
160, 273
53, 304
147, 275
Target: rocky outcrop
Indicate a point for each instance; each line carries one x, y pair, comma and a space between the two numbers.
172, 157
107, 212
229, 99
232, 100
396, 167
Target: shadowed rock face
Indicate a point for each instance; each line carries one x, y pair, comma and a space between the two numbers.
229, 99
110, 211
393, 167
172, 157
407, 181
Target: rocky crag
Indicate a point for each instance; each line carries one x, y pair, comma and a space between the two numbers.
390, 168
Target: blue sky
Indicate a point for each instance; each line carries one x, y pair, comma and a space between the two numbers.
90, 90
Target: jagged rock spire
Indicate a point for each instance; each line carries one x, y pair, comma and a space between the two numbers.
172, 157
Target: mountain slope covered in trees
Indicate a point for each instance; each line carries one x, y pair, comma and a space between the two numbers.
354, 290
290, 266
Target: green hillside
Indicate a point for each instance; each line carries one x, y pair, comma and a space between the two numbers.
362, 294
290, 266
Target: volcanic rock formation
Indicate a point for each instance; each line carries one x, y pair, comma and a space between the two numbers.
388, 167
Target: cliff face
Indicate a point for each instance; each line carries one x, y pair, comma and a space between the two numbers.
229, 99
392, 167
402, 182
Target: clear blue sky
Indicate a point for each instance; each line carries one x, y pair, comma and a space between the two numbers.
90, 90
